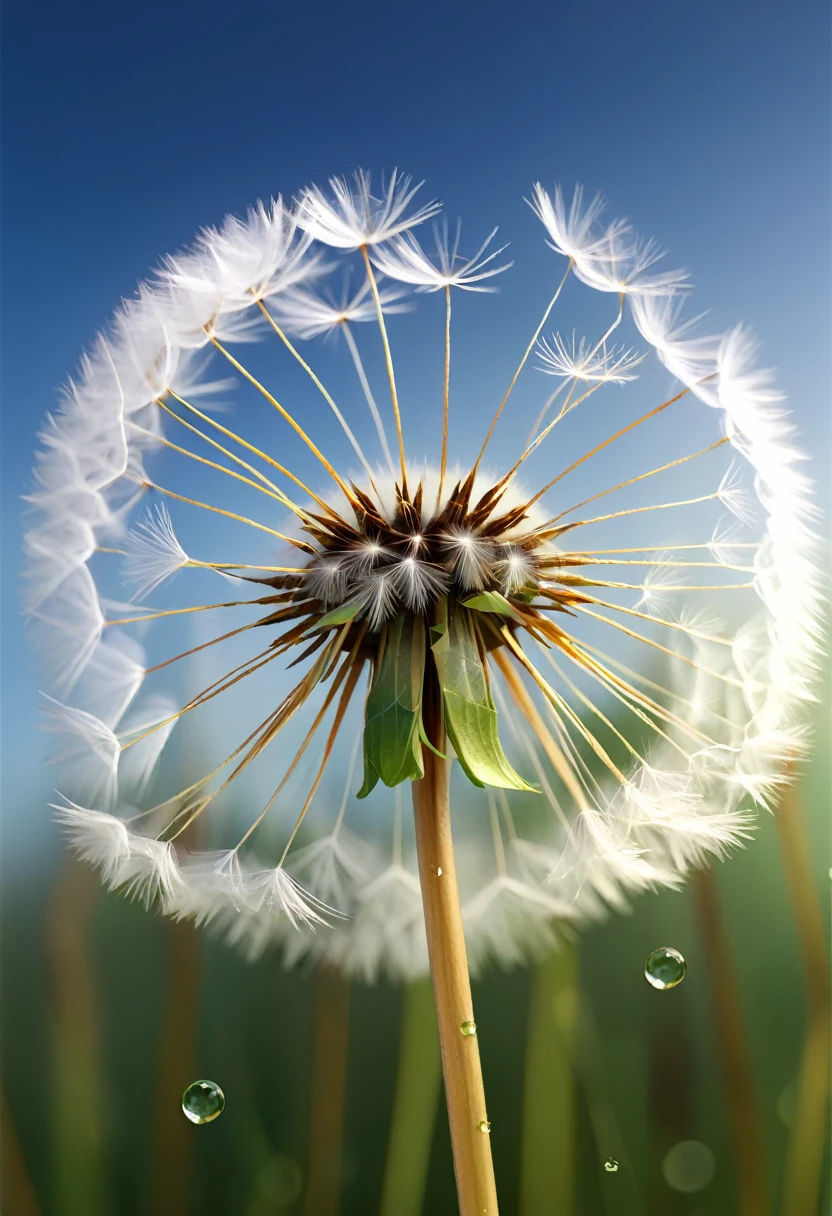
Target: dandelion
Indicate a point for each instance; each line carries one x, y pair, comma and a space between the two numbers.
580, 362
621, 638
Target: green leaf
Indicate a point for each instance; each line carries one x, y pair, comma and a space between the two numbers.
339, 616
440, 627
490, 601
392, 747
470, 716
423, 736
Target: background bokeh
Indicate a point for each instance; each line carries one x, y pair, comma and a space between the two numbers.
125, 129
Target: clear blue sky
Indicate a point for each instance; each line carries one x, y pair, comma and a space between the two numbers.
126, 127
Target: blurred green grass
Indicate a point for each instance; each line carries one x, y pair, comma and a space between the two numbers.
109, 1012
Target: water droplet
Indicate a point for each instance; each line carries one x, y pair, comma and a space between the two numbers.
611, 1165
484, 1126
203, 1101
689, 1166
439, 872
665, 968
468, 1029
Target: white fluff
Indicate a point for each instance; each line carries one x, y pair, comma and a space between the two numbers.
353, 216
90, 479
98, 838
153, 552
509, 922
403, 258
587, 361
307, 313
88, 753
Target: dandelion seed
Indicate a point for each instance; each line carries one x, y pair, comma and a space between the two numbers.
353, 216
583, 362
404, 259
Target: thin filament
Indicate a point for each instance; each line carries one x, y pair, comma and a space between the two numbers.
371, 401
339, 481
388, 359
520, 367
445, 396
324, 392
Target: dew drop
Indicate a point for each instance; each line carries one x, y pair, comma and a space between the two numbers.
202, 1101
439, 872
689, 1167
468, 1029
484, 1126
665, 968
611, 1165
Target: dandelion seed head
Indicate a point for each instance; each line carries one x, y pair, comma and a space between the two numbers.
493, 571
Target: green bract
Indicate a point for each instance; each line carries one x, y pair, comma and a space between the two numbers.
392, 748
393, 729
470, 716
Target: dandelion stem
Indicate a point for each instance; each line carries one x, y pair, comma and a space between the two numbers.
76, 1167
548, 1160
414, 1105
804, 1160
737, 1076
17, 1193
461, 1068
329, 1084
176, 1066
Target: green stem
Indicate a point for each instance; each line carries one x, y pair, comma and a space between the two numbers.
16, 1191
805, 1156
737, 1075
414, 1105
548, 1152
329, 1083
176, 1068
78, 1165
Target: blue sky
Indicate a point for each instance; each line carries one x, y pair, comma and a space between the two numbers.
128, 127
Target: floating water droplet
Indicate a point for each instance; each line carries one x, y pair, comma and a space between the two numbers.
665, 968
484, 1126
689, 1166
468, 1029
203, 1101
611, 1165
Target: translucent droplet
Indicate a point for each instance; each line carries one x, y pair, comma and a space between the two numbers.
439, 872
278, 1185
484, 1126
611, 1165
665, 968
468, 1029
689, 1166
203, 1101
